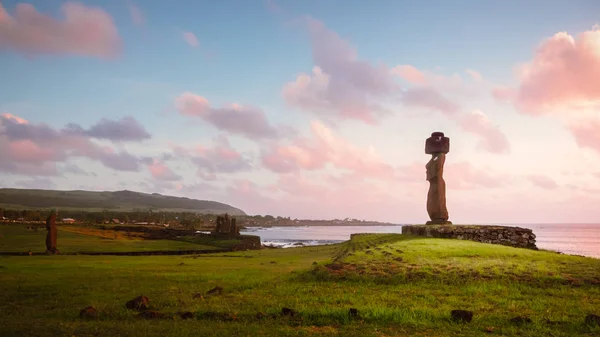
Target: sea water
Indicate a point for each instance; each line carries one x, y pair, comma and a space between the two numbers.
575, 239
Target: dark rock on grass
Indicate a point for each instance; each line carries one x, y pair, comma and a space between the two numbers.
288, 312
368, 252
399, 259
139, 303
273, 262
186, 315
197, 295
334, 266
353, 312
399, 251
215, 291
181, 264
592, 320
88, 312
519, 320
461, 315
151, 314
259, 315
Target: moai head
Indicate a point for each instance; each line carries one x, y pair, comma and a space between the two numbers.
437, 143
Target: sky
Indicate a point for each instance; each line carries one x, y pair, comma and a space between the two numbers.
309, 109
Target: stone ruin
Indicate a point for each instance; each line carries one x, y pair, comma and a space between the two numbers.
226, 226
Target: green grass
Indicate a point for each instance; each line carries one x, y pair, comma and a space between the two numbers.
16, 238
42, 295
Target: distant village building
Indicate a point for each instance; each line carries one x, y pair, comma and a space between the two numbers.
116, 221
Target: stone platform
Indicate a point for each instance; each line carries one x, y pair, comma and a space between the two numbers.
507, 236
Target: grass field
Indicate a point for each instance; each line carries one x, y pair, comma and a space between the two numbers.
73, 239
401, 286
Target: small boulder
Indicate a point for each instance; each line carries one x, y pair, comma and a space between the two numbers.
399, 259
186, 315
197, 295
151, 314
139, 303
461, 315
288, 312
88, 312
215, 291
592, 320
353, 312
519, 320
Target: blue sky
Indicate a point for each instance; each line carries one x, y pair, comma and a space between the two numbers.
249, 50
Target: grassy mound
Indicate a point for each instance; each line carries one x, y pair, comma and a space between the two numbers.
400, 286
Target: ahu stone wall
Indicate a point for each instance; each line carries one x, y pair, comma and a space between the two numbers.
508, 236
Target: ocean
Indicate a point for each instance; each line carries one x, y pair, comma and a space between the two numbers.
574, 239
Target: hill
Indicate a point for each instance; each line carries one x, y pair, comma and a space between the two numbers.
115, 201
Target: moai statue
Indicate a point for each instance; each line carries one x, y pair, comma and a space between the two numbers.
437, 146
52, 234
234, 229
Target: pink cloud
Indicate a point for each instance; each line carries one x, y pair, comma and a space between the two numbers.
220, 158
320, 197
340, 85
492, 139
161, 171
26, 151
586, 133
464, 175
410, 74
191, 39
564, 73
542, 181
474, 74
429, 98
503, 94
86, 31
322, 149
236, 119
35, 149
17, 119
136, 14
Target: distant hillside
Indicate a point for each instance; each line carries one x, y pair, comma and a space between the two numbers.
114, 201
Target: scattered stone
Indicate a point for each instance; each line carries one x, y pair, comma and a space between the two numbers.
151, 314
88, 312
181, 264
353, 312
260, 315
273, 262
215, 291
592, 319
399, 259
399, 251
461, 315
519, 320
197, 295
288, 312
186, 315
139, 303
369, 252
